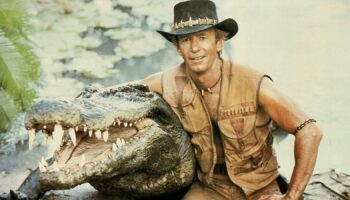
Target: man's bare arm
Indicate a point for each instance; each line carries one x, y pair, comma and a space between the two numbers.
289, 116
153, 82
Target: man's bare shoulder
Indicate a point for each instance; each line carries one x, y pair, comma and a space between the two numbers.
154, 82
280, 107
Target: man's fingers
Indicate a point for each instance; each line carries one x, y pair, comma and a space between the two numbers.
271, 197
264, 197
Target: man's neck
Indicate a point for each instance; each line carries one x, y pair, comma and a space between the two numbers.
208, 78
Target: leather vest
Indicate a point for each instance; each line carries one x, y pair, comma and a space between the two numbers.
244, 127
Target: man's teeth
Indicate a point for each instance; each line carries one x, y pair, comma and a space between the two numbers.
72, 136
197, 58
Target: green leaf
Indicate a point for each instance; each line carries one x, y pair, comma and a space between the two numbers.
8, 111
19, 66
14, 72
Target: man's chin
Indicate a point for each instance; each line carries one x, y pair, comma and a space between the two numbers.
198, 68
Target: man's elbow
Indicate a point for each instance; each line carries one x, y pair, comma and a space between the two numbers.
317, 134
310, 134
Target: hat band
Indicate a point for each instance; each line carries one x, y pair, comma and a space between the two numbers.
190, 22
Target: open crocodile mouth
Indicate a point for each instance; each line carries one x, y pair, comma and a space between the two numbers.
83, 154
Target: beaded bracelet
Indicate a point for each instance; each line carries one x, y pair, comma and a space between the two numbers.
302, 125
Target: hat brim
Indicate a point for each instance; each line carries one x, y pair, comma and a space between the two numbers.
228, 25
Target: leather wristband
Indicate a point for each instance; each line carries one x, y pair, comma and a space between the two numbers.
302, 125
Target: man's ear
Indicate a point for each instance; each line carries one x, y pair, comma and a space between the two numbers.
220, 44
178, 49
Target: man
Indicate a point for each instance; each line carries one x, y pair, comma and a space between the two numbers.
228, 109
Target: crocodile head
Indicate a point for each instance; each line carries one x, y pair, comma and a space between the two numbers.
120, 140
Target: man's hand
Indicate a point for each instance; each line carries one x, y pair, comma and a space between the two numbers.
274, 197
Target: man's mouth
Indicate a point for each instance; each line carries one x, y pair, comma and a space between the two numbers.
197, 58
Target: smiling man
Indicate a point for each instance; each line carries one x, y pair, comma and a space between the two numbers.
228, 109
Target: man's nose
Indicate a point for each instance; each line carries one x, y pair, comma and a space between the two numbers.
195, 44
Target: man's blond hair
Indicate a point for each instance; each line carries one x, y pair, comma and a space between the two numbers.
219, 34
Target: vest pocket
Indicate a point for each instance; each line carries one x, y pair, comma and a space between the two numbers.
270, 161
203, 152
239, 134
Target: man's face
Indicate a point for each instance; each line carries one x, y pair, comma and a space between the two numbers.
199, 50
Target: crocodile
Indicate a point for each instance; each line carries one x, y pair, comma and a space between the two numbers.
123, 140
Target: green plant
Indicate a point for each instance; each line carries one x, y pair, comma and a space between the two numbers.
19, 66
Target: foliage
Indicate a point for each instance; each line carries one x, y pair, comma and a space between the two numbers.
18, 64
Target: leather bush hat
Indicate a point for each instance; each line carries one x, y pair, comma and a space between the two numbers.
198, 15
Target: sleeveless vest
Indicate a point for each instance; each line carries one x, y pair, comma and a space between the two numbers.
244, 127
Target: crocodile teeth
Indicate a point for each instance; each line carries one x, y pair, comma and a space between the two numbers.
114, 147
123, 141
125, 124
46, 136
105, 136
98, 134
42, 168
54, 167
113, 123
90, 133
72, 135
151, 185
44, 127
57, 135
119, 122
85, 128
43, 162
130, 124
76, 128
119, 142
31, 134
82, 161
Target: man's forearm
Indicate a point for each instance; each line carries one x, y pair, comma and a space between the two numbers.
306, 146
